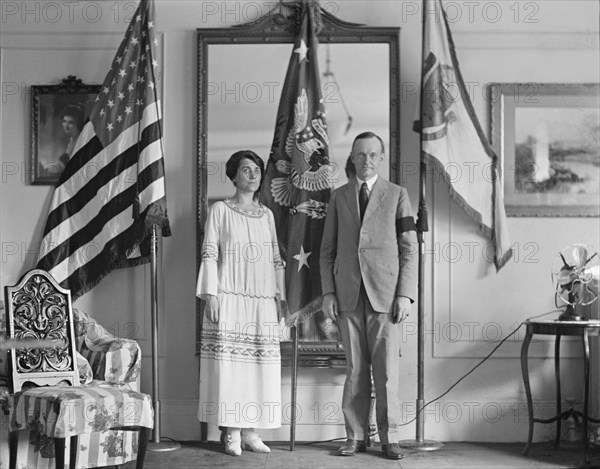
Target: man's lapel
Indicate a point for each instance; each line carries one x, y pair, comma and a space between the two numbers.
351, 200
376, 198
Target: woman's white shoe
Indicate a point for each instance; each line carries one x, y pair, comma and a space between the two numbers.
251, 441
233, 445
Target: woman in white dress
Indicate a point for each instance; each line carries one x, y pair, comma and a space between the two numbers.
242, 280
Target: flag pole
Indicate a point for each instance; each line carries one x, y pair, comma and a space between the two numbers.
294, 331
419, 443
155, 444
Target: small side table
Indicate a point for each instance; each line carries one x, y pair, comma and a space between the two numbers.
583, 329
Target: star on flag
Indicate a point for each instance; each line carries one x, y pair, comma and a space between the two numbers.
301, 51
302, 258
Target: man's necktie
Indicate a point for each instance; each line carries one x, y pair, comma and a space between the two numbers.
363, 199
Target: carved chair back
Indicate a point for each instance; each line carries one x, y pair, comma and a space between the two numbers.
40, 322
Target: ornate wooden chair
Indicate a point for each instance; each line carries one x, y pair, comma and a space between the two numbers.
40, 310
55, 402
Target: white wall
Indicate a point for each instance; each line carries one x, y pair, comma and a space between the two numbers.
549, 41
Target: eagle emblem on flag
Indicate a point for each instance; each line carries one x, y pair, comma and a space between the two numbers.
308, 167
299, 176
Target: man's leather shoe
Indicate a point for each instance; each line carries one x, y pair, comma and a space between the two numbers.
392, 451
351, 447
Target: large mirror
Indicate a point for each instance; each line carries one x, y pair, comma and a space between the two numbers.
240, 77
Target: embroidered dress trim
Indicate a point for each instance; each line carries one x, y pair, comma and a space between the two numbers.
234, 346
210, 251
248, 213
249, 295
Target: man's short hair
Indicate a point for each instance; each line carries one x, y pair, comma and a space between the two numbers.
369, 135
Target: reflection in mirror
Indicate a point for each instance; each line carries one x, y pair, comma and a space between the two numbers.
240, 79
242, 103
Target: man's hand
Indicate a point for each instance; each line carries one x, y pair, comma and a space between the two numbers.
400, 309
211, 309
330, 306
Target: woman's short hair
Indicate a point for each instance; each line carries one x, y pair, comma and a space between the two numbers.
370, 135
76, 112
234, 161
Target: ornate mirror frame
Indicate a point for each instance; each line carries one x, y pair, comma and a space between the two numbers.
277, 27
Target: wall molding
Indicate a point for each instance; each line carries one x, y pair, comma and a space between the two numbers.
493, 40
66, 40
543, 40
451, 334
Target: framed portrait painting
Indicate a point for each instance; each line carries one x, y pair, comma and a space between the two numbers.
547, 137
58, 115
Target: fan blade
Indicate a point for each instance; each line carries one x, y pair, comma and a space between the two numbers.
580, 256
565, 276
588, 295
589, 277
593, 272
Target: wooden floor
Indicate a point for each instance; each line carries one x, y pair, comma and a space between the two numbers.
323, 455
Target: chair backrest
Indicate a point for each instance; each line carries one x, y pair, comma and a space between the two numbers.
38, 311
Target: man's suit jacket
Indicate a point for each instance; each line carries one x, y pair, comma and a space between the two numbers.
382, 251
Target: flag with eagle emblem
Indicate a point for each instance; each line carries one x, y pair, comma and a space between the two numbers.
298, 181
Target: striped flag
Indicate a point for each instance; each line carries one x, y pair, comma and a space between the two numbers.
298, 181
451, 137
112, 190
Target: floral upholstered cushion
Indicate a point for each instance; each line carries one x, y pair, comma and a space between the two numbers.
65, 411
86, 375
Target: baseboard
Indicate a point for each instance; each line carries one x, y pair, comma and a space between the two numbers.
505, 421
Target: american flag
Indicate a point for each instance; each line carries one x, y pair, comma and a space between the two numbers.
112, 190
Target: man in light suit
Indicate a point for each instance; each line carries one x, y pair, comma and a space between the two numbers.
368, 275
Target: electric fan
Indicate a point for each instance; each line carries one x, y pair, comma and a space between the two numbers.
575, 275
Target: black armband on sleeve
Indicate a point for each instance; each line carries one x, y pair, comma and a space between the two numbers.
405, 224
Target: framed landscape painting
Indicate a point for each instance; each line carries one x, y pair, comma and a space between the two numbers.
547, 136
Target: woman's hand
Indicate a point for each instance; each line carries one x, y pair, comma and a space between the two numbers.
211, 309
282, 309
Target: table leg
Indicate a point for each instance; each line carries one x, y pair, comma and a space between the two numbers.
59, 452
586, 371
143, 435
73, 452
558, 395
13, 446
525, 371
